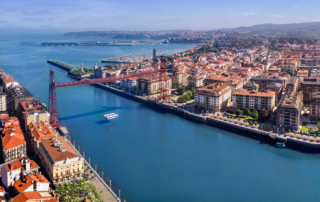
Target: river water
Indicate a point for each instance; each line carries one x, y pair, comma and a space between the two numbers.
156, 156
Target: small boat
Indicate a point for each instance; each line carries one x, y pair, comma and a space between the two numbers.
111, 116
280, 144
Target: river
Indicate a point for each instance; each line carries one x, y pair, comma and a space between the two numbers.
151, 155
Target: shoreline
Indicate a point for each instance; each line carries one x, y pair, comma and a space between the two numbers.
271, 138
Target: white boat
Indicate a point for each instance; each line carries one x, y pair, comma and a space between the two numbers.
111, 116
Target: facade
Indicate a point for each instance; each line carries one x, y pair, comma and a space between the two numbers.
212, 97
32, 112
13, 141
253, 99
11, 172
179, 79
152, 85
289, 110
60, 160
3, 102
129, 84
196, 81
310, 85
15, 95
315, 106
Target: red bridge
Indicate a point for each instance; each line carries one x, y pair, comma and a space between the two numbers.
53, 110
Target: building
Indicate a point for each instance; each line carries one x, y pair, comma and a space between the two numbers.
13, 141
129, 84
35, 196
212, 97
289, 110
154, 85
315, 106
292, 85
251, 86
8, 81
3, 102
60, 160
33, 182
32, 112
196, 81
263, 81
310, 85
15, 95
179, 79
38, 132
11, 172
253, 99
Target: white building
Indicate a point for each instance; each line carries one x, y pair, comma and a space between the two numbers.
11, 172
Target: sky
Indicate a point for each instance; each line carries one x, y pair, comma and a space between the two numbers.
152, 15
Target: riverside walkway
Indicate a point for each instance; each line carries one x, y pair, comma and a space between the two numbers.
95, 179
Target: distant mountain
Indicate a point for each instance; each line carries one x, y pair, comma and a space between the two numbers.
306, 28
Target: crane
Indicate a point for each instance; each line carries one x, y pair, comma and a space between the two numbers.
53, 110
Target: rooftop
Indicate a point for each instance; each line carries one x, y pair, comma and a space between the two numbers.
56, 152
254, 93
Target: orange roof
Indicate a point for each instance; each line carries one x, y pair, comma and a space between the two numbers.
35, 195
12, 137
22, 184
41, 130
7, 79
20, 163
254, 93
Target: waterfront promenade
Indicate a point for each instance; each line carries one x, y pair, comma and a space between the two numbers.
104, 190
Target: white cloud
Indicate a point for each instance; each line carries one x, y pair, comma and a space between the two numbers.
277, 16
247, 14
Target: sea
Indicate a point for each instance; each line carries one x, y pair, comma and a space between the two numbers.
148, 154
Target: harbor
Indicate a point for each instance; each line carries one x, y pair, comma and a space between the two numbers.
126, 59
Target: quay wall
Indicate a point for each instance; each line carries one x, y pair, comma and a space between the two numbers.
218, 123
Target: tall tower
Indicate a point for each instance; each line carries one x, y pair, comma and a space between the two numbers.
154, 54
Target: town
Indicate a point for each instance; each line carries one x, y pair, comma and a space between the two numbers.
271, 84
265, 84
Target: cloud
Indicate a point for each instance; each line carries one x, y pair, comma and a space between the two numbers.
248, 14
277, 16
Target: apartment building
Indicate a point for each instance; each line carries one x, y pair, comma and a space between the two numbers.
13, 141
315, 106
253, 99
154, 85
61, 162
289, 110
32, 112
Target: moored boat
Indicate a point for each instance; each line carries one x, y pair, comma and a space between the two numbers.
280, 144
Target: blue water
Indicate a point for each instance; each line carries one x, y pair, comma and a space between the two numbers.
155, 156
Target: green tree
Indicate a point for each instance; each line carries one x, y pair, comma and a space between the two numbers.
255, 114
246, 111
239, 112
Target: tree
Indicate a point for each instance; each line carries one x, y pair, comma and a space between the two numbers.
239, 112
181, 90
246, 111
255, 114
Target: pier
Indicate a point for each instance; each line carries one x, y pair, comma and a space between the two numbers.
62, 65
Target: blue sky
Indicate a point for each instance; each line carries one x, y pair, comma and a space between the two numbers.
78, 15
